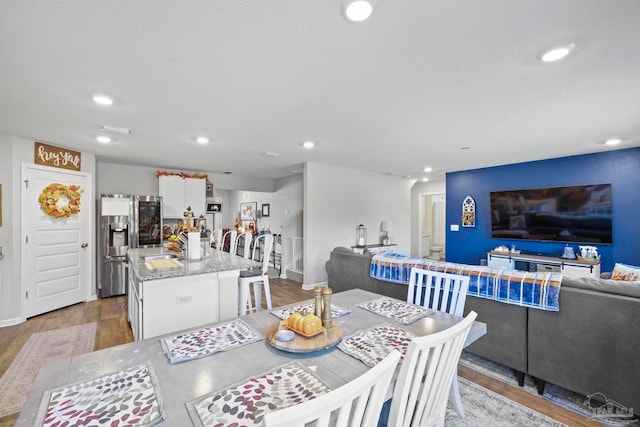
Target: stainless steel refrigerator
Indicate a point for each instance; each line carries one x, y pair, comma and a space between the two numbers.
125, 222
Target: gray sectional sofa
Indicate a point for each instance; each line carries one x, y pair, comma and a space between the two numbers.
591, 345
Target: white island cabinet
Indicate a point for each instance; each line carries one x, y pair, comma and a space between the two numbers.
164, 301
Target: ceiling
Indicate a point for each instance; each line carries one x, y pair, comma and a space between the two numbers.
449, 84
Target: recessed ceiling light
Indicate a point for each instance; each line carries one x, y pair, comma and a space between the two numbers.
613, 141
425, 179
202, 140
115, 129
102, 100
308, 144
103, 139
358, 10
270, 154
428, 169
556, 53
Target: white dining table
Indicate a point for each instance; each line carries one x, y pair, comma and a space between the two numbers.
183, 382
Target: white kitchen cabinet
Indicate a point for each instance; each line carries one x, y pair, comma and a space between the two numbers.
135, 306
178, 303
158, 307
228, 294
178, 193
195, 195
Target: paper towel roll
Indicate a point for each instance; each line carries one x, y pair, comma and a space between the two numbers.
193, 246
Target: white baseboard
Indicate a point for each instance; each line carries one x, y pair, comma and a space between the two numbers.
309, 287
11, 322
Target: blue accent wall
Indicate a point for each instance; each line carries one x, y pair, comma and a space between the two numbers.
621, 168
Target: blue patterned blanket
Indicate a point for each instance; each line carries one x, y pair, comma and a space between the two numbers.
530, 289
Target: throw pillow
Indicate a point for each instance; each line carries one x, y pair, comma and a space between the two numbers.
625, 272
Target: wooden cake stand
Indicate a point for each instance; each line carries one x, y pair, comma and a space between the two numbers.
300, 344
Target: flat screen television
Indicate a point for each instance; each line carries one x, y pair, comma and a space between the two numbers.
579, 214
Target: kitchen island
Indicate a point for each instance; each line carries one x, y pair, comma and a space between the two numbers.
167, 293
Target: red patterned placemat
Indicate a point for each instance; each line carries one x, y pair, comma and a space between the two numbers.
403, 312
374, 344
246, 403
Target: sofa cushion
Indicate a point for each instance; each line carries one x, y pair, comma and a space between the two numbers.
618, 287
625, 272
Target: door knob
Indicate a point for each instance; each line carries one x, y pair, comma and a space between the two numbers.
84, 245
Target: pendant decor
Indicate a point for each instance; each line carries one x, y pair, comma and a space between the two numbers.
468, 212
56, 193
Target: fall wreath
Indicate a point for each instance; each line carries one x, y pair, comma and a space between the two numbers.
53, 193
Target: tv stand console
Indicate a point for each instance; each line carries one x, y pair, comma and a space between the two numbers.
568, 267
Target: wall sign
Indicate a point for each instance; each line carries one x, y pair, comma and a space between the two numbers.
49, 155
468, 212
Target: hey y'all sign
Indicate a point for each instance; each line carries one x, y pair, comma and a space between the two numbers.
49, 155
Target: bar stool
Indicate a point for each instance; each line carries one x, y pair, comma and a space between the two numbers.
256, 276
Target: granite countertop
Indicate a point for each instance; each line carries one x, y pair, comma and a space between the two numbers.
215, 262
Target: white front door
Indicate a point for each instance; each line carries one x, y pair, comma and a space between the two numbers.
55, 251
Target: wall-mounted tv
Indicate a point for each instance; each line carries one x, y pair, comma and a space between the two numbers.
580, 214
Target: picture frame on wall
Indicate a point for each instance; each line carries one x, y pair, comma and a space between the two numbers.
265, 209
248, 211
214, 207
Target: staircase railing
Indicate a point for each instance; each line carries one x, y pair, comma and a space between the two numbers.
296, 251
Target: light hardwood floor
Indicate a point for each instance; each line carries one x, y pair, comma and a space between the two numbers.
112, 329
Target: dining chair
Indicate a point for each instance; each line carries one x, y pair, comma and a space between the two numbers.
256, 276
445, 292
216, 239
439, 291
420, 393
232, 241
357, 403
246, 239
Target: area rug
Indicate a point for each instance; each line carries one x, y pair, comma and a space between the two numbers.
483, 407
40, 348
553, 393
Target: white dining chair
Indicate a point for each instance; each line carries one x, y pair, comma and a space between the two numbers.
420, 393
216, 239
357, 403
259, 277
439, 291
445, 292
246, 239
232, 241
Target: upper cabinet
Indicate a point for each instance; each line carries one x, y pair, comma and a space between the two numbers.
178, 193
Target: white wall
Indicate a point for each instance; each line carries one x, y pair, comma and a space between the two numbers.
285, 201
9, 299
337, 200
113, 178
284, 195
14, 151
436, 187
131, 179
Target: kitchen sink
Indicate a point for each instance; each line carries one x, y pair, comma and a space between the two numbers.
158, 257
